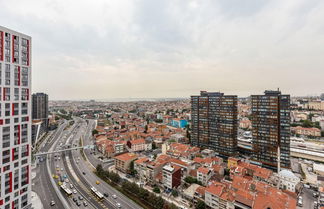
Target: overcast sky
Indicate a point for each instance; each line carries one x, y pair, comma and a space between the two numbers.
101, 49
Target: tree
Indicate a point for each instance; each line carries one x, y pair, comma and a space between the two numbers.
307, 124
99, 170
175, 193
131, 168
156, 190
153, 145
201, 205
114, 177
94, 132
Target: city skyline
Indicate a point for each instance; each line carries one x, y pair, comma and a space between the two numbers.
156, 50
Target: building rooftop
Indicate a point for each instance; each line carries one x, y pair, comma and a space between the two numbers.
126, 157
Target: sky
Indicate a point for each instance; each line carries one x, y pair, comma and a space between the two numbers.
100, 49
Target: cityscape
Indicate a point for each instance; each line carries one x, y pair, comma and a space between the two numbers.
155, 128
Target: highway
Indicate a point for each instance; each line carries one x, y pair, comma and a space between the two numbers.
42, 181
78, 171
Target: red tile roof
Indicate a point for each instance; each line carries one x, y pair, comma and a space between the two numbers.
126, 157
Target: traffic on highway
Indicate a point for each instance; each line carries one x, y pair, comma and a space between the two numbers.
70, 179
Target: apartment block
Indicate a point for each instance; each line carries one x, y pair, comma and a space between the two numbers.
15, 119
171, 176
214, 122
123, 161
271, 129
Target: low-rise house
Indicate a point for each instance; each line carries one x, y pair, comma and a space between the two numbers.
307, 131
179, 123
204, 174
138, 145
217, 196
207, 153
123, 161
184, 151
288, 180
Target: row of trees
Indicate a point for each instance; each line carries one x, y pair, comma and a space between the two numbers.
147, 198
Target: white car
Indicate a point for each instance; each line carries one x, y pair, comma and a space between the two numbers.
114, 196
52, 203
74, 191
118, 205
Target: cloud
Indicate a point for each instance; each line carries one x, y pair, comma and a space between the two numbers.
105, 49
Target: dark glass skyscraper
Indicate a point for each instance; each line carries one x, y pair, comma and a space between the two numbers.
40, 106
271, 129
214, 122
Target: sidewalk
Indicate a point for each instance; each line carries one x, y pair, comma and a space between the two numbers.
36, 202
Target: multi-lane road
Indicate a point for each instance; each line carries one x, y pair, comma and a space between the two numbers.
78, 171
42, 181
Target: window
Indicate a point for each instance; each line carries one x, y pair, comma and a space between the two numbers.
24, 94
17, 79
6, 94
5, 137
24, 108
15, 108
16, 94
7, 75
24, 76
7, 109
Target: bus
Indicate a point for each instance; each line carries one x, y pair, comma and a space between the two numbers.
66, 189
97, 193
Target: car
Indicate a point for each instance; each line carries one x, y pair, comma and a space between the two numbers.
74, 199
71, 186
61, 169
59, 158
300, 202
74, 191
114, 196
83, 173
307, 186
106, 195
80, 198
118, 205
52, 203
85, 204
78, 203
97, 182
315, 194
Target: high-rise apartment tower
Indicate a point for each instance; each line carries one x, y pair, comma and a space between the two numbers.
271, 129
214, 122
15, 119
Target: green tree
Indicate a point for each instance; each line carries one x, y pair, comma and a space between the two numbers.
100, 170
201, 205
132, 169
114, 177
94, 132
175, 193
156, 190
